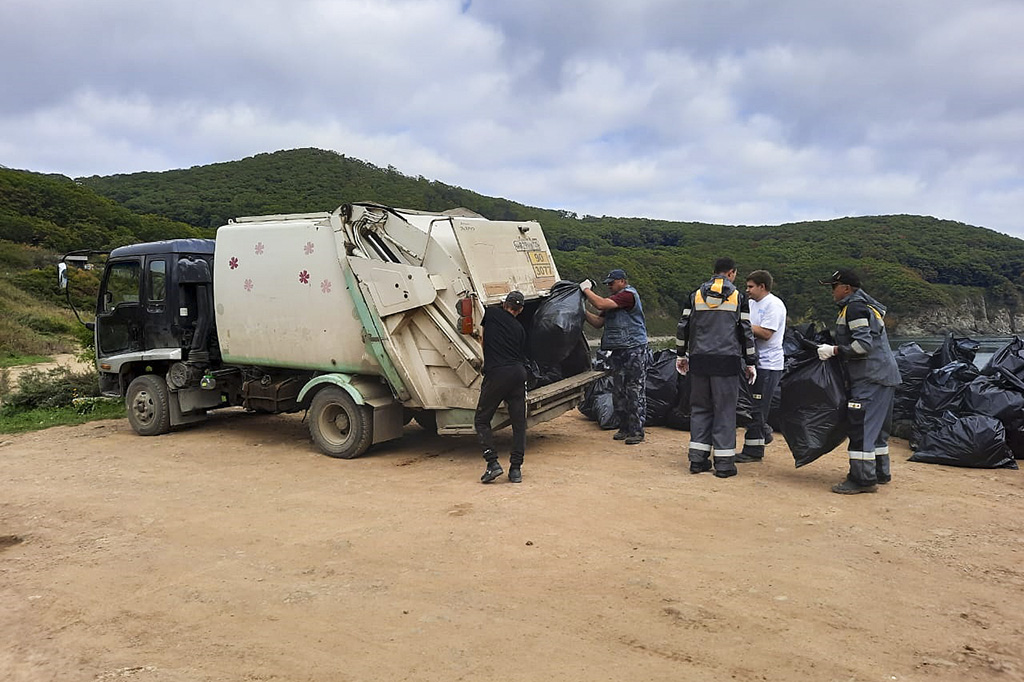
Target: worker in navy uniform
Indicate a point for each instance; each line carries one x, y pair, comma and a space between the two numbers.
715, 345
621, 317
863, 347
504, 343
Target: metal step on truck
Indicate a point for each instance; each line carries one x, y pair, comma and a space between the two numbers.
366, 317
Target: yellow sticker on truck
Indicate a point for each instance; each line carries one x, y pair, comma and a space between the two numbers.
541, 262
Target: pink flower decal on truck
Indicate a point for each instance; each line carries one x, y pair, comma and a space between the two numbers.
304, 277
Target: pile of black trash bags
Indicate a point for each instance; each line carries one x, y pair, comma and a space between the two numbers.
668, 395
953, 413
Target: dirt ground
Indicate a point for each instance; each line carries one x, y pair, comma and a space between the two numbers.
232, 550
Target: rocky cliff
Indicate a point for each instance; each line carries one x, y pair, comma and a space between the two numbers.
971, 315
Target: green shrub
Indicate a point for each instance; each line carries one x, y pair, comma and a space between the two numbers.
57, 387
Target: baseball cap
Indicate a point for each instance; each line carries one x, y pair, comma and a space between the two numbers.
615, 274
842, 276
515, 298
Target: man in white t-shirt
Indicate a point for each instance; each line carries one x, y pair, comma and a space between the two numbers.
768, 322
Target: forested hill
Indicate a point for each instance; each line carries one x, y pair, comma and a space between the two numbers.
909, 262
912, 263
55, 212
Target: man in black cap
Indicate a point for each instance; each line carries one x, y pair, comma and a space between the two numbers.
863, 347
504, 342
621, 316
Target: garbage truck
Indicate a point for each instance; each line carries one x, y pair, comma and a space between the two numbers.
365, 317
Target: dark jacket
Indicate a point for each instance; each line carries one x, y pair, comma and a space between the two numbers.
862, 341
714, 329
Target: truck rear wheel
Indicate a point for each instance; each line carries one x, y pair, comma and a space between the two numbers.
339, 427
147, 404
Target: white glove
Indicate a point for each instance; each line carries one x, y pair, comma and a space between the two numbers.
683, 365
586, 284
751, 374
826, 351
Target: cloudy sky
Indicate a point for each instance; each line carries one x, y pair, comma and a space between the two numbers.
726, 111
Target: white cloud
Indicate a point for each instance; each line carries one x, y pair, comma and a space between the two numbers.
729, 111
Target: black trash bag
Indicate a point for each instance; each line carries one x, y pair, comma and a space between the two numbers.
813, 405
914, 365
597, 403
556, 332
971, 441
955, 349
943, 391
661, 387
679, 416
996, 396
1015, 441
1009, 358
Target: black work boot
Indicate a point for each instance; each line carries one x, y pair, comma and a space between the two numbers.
492, 472
515, 474
700, 467
848, 487
620, 435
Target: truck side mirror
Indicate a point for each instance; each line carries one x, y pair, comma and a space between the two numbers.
62, 275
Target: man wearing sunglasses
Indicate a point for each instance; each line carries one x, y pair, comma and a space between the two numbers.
863, 347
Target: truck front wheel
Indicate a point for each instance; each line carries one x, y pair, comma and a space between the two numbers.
147, 403
339, 427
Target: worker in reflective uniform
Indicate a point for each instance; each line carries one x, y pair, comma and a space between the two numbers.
863, 347
715, 345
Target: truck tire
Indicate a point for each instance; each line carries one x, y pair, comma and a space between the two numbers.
339, 427
147, 399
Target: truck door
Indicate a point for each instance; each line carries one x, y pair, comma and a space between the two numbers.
159, 318
119, 311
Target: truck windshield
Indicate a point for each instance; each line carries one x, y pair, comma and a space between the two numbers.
122, 285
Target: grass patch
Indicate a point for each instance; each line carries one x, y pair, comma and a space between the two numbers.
44, 418
13, 360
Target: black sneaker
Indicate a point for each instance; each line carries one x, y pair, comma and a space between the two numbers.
699, 467
848, 487
633, 440
515, 475
493, 471
744, 457
620, 435
725, 474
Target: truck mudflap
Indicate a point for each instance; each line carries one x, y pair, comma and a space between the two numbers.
542, 404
